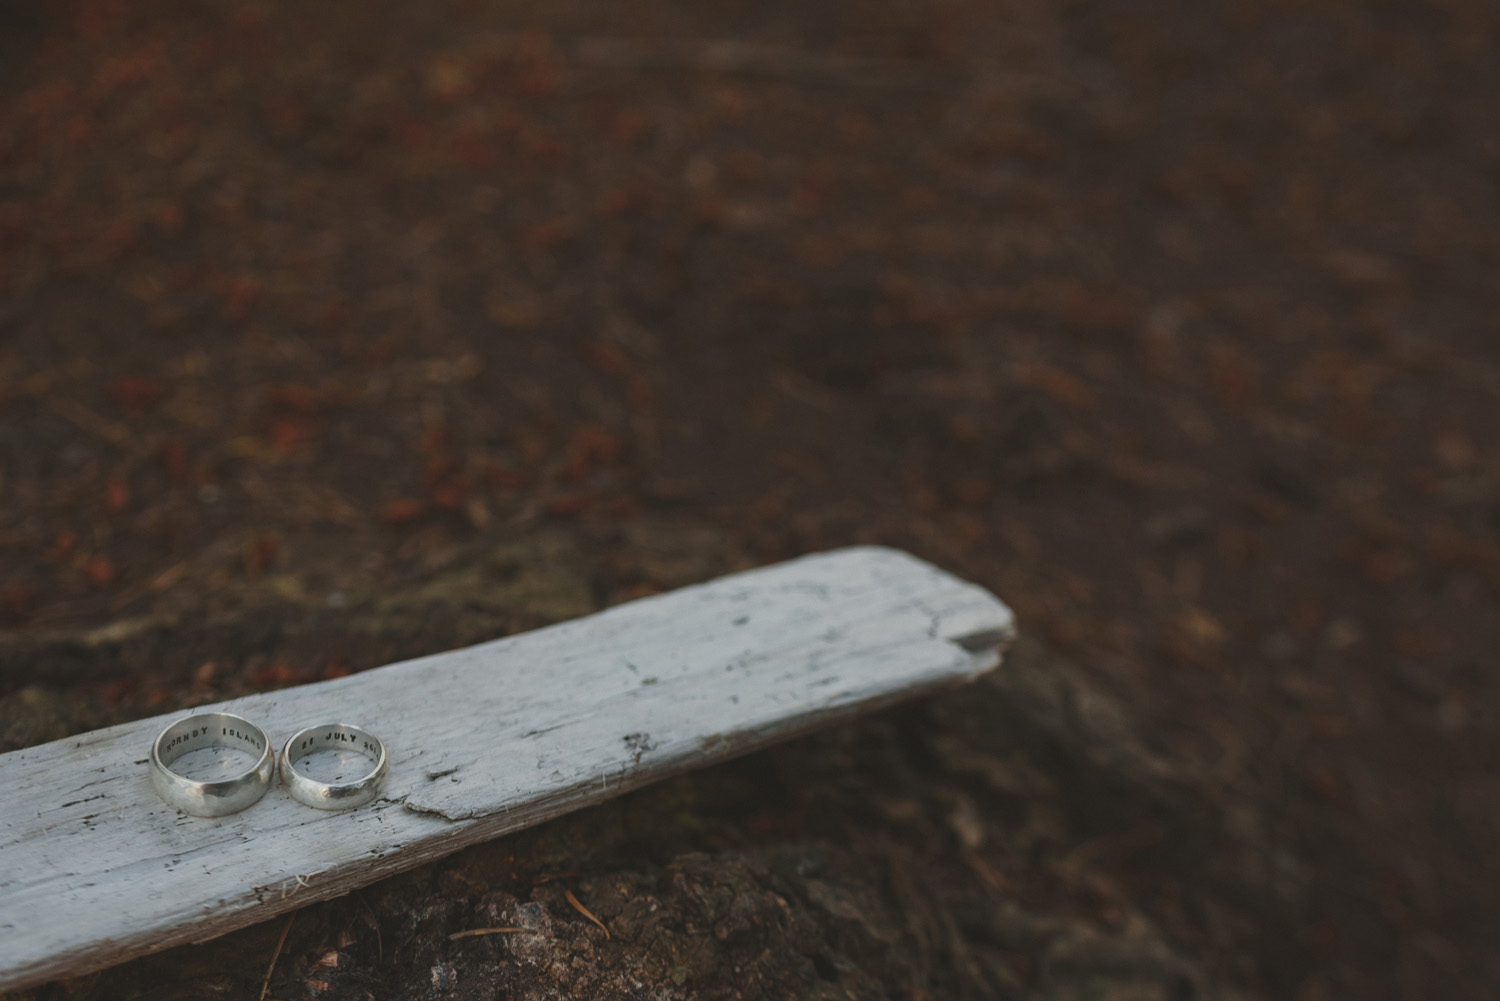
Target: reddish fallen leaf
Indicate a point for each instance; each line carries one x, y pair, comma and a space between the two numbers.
119, 691
333, 315
622, 200
118, 240
539, 73
286, 115
260, 553
781, 822
100, 571
1415, 643
473, 151
135, 394
1329, 725
1452, 550
591, 446
116, 495
626, 127
241, 295
639, 393
408, 131
290, 432
810, 193
566, 505
450, 495
402, 511
290, 396
963, 428
1381, 563
175, 459
64, 543
605, 358
168, 217
971, 491
548, 234
770, 509
624, 507
1061, 386
275, 673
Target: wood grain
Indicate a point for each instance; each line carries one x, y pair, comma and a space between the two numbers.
94, 869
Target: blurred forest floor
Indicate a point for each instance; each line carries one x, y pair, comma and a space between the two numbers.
1173, 324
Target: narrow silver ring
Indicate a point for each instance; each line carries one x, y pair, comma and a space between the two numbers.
225, 796
333, 795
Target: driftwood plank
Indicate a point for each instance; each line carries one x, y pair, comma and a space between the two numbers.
94, 869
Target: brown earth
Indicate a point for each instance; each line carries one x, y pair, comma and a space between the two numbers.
329, 336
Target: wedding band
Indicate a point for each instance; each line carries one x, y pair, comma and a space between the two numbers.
333, 795
225, 796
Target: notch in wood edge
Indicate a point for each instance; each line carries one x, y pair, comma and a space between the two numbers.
996, 640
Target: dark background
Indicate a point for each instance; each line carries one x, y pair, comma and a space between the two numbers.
1171, 323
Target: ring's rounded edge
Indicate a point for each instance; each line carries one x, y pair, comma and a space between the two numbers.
328, 796
213, 799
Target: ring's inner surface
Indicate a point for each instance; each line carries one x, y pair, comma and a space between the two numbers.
210, 748
334, 754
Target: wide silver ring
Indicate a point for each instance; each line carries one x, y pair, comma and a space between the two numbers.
333, 795
222, 797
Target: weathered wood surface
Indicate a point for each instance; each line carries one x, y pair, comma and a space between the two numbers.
94, 869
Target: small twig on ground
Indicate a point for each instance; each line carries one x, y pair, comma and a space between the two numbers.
265, 984
585, 911
375, 924
985, 872
84, 418
484, 931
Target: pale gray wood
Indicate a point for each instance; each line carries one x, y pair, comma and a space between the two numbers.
94, 869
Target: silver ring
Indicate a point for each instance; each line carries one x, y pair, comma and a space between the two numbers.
225, 796
333, 795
